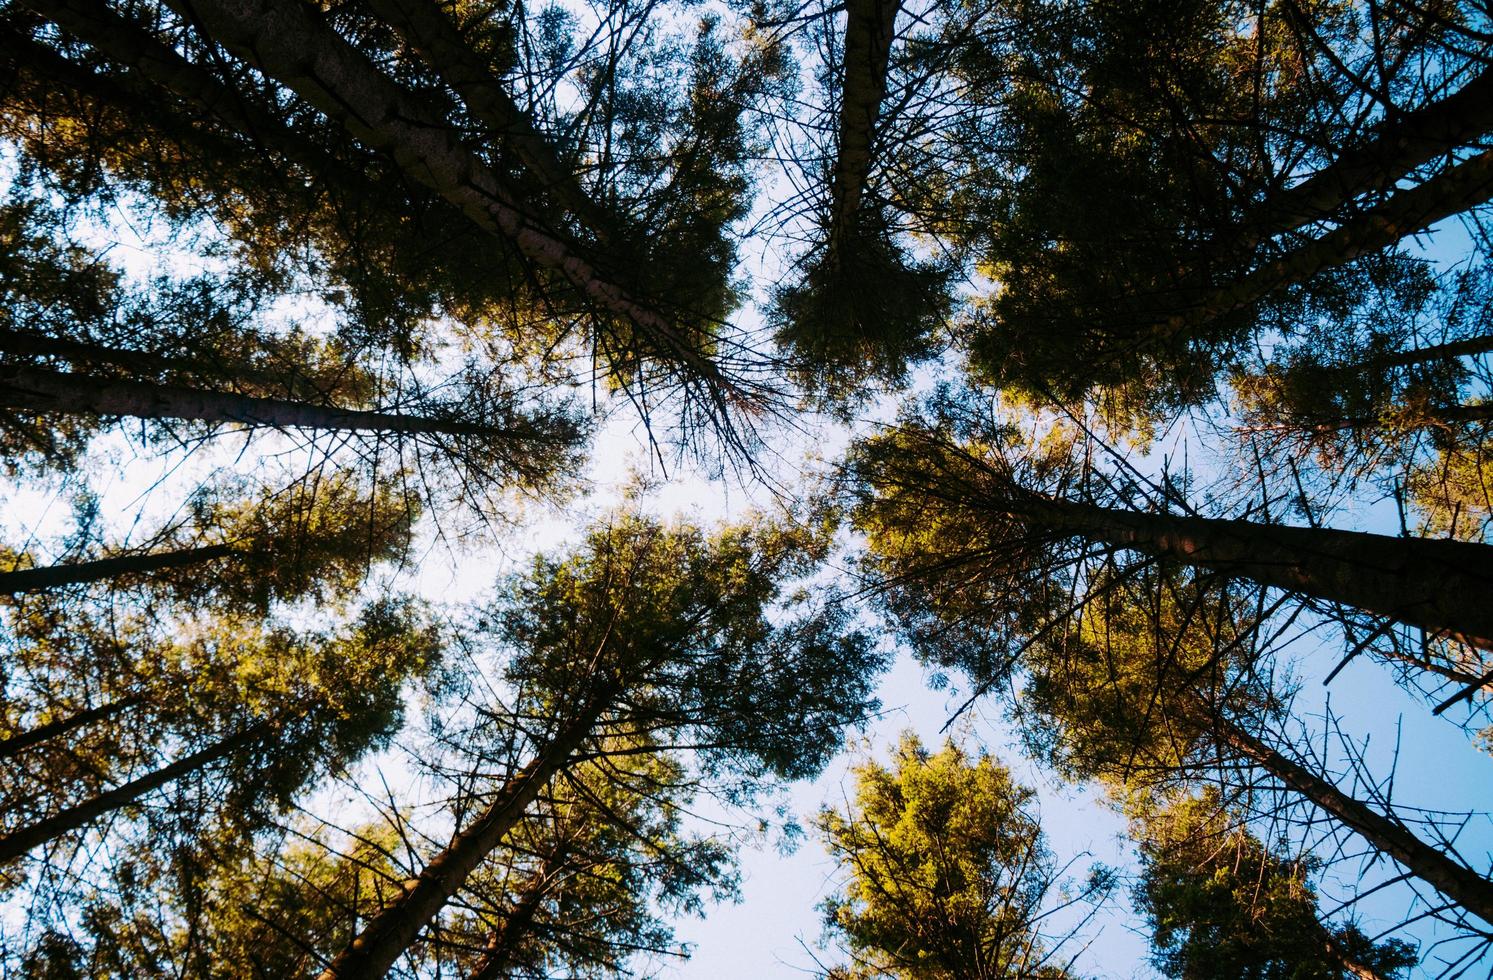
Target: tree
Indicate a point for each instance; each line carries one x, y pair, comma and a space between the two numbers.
266, 713
1223, 904
313, 538
947, 871
651, 632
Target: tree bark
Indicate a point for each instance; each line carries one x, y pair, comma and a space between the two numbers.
373, 952
869, 28
1398, 146
1456, 881
427, 28
1460, 187
18, 842
41, 390
55, 576
289, 43
1437, 584
15, 744
1435, 352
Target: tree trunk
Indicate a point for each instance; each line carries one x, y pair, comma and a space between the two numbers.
429, 30
1345, 959
287, 41
15, 744
41, 390
1456, 881
869, 28
125, 42
497, 957
55, 576
1398, 146
1460, 187
1437, 584
1435, 352
373, 952
18, 842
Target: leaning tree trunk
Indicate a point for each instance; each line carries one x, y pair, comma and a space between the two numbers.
18, 842
1345, 959
389, 933
1400, 145
1459, 188
1456, 881
15, 744
77, 573
1437, 584
288, 42
1435, 352
498, 955
42, 390
869, 28
429, 30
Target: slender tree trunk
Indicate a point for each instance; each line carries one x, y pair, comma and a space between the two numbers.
18, 842
125, 42
497, 957
1436, 584
373, 952
1458, 188
287, 41
1398, 146
18, 743
42, 390
1345, 959
429, 30
55, 576
869, 28
1456, 881
1435, 352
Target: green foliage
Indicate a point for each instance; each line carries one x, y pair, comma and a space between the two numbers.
862, 312
1224, 905
696, 632
947, 870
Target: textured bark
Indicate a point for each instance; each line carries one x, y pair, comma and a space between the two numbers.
287, 41
1397, 147
498, 954
18, 842
1456, 881
1457, 189
56, 576
41, 390
1437, 584
373, 952
869, 28
427, 28
15, 744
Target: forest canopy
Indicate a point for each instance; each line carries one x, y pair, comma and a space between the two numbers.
469, 469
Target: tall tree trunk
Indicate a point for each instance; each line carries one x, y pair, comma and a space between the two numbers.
1435, 352
429, 30
1397, 146
498, 955
1456, 881
288, 41
373, 952
18, 842
15, 744
54, 576
1460, 187
42, 390
125, 42
1437, 584
869, 28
